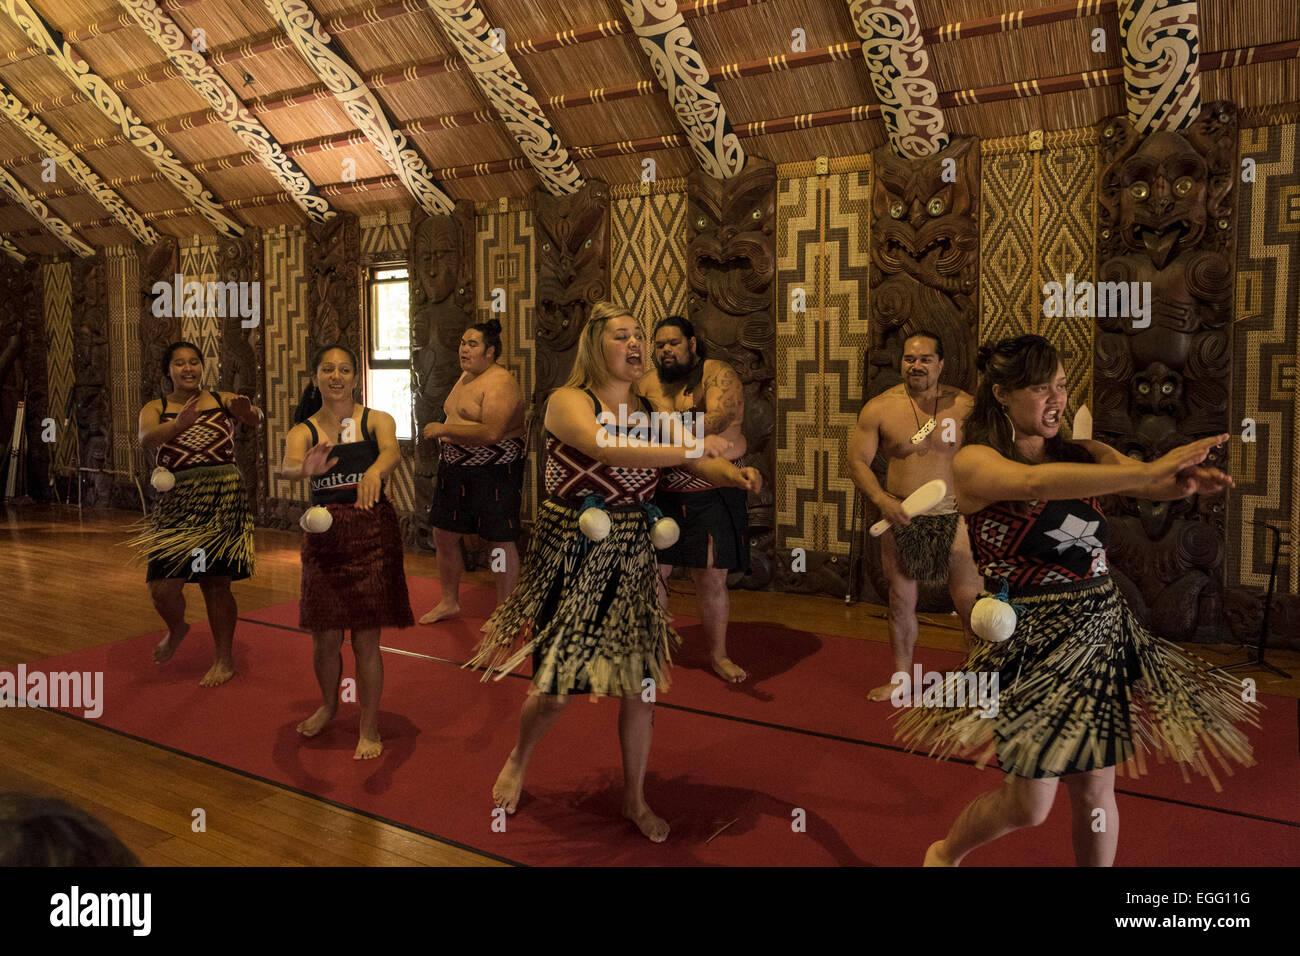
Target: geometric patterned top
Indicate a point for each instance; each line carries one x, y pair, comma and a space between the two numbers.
209, 441
1055, 543
679, 480
473, 456
571, 475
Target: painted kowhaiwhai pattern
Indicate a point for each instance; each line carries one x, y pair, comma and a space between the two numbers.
59, 229
667, 42
210, 85
470, 32
55, 148
1161, 48
300, 23
97, 90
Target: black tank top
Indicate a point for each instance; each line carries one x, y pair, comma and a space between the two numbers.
338, 486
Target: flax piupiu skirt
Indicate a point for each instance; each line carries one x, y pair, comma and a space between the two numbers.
353, 576
587, 612
201, 528
1082, 685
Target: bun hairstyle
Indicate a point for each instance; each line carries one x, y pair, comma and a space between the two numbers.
491, 332
171, 351
311, 401
1014, 363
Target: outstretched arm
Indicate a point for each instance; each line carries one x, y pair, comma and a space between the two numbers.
1193, 480
569, 418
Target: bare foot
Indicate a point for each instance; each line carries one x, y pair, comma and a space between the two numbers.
317, 721
167, 646
444, 610
218, 674
881, 693
934, 856
368, 749
725, 668
509, 786
655, 828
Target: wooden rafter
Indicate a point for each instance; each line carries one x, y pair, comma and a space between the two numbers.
52, 223
91, 84
12, 251
53, 147
901, 75
300, 24
667, 42
471, 33
209, 84
1161, 50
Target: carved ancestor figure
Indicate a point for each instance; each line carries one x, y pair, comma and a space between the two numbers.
333, 294
1166, 238
730, 265
924, 275
160, 263
442, 307
242, 365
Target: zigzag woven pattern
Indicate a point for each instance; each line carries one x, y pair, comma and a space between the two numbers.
284, 283
124, 340
199, 264
1265, 351
648, 256
57, 283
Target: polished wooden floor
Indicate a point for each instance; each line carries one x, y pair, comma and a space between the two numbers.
69, 584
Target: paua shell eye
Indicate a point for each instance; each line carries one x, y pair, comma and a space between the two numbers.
1167, 388
1183, 185
1144, 388
587, 244
896, 209
935, 206
700, 223
756, 214
1140, 191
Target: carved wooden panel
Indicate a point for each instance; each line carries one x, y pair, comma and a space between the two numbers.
158, 263
924, 275
333, 289
1166, 237
442, 307
91, 373
730, 268
23, 371
243, 361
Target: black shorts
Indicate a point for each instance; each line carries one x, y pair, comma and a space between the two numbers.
718, 513
479, 499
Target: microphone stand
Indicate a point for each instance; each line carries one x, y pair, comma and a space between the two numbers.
1268, 608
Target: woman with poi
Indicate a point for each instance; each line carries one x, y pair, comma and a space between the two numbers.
587, 608
1082, 685
353, 577
201, 528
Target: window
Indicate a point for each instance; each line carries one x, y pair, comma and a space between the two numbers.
388, 365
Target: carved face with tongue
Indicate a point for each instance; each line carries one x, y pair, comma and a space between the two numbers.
1162, 198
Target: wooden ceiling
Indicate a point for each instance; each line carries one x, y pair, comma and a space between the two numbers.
422, 82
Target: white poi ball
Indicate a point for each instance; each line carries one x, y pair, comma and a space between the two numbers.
316, 519
992, 619
665, 533
594, 523
162, 479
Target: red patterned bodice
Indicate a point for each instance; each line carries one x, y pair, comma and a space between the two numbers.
1053, 543
209, 441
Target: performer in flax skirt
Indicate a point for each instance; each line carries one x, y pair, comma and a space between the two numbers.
201, 529
352, 571
1082, 685
587, 611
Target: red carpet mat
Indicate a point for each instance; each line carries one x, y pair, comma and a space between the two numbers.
818, 683
446, 735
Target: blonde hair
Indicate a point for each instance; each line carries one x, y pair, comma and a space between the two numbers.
589, 370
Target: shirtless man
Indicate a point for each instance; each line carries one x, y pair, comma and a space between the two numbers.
713, 518
917, 426
481, 471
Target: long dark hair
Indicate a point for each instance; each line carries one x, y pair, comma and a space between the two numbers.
701, 349
1014, 363
167, 360
491, 332
311, 401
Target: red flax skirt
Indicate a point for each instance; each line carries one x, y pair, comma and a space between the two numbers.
352, 574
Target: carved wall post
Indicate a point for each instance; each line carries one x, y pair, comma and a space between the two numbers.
243, 360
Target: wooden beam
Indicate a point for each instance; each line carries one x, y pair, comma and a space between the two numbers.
472, 34
1160, 46
668, 44
300, 24
92, 86
209, 84
52, 223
